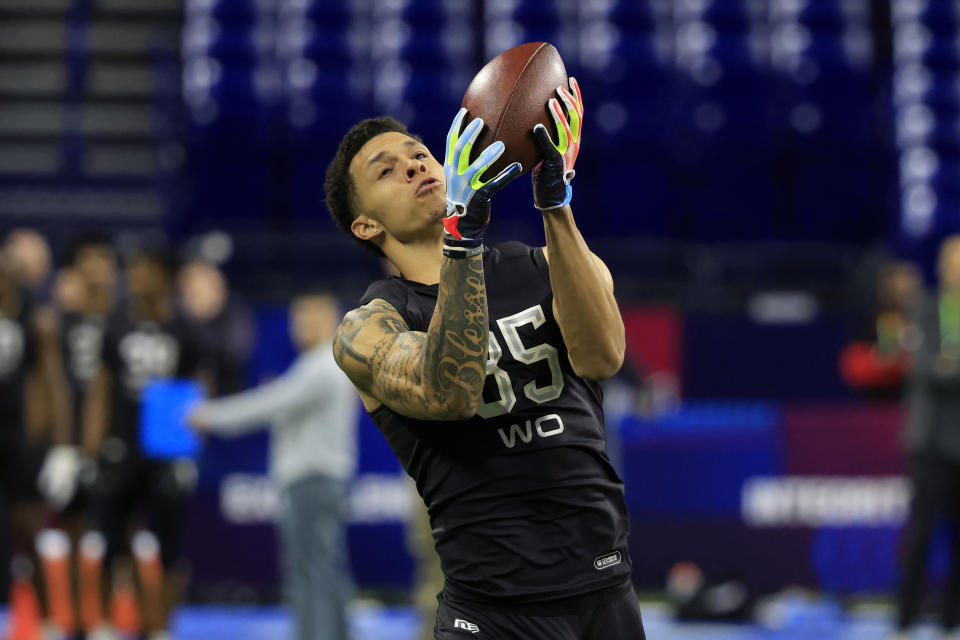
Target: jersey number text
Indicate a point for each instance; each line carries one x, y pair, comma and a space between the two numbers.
507, 398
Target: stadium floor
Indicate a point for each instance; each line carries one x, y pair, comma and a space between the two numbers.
815, 621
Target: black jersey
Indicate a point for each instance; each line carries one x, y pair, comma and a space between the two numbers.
81, 341
524, 503
18, 346
136, 352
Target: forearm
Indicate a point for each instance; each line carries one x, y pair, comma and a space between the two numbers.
59, 395
586, 309
243, 412
455, 353
37, 417
96, 414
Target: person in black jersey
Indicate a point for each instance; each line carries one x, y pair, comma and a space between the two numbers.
31, 403
78, 327
481, 365
144, 340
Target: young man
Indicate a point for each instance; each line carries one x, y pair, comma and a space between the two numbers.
78, 329
144, 340
496, 414
313, 453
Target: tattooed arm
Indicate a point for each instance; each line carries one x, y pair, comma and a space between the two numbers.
437, 375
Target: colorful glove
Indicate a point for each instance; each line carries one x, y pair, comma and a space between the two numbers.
551, 178
468, 197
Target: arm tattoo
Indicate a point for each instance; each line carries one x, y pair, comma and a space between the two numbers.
428, 373
456, 356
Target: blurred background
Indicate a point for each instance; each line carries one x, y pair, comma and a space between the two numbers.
752, 171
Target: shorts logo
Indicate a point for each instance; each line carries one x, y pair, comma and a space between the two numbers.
467, 626
607, 561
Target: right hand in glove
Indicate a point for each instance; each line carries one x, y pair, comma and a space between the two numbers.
468, 195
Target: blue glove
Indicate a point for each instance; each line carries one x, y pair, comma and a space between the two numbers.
468, 196
551, 178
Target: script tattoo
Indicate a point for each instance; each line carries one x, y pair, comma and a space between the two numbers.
461, 351
428, 373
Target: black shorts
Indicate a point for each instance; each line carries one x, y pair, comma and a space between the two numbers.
131, 491
20, 464
616, 619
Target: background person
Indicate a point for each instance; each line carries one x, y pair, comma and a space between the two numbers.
312, 411
932, 439
222, 323
144, 340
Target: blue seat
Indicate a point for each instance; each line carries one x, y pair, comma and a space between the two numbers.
727, 16
731, 196
823, 18
432, 49
941, 18
331, 14
532, 32
829, 53
632, 18
732, 50
433, 15
527, 11
234, 45
330, 88
942, 56
636, 50
237, 13
332, 49
942, 95
834, 196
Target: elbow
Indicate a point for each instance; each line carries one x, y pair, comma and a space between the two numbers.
599, 364
457, 406
464, 407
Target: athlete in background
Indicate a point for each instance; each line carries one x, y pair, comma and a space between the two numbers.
144, 340
481, 367
33, 411
78, 326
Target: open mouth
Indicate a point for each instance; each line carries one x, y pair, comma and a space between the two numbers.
426, 185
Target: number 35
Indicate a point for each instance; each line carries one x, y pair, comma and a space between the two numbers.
507, 398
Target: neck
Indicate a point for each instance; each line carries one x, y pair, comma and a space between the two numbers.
419, 262
99, 301
10, 302
152, 308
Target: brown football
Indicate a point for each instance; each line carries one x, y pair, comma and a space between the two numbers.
510, 93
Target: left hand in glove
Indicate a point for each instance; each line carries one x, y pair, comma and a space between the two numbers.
58, 476
551, 178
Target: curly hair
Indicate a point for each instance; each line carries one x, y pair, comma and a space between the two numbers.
338, 185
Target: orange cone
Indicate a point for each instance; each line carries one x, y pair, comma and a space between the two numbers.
53, 549
91, 551
26, 621
146, 551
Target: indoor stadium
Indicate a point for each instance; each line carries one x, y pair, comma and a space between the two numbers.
693, 385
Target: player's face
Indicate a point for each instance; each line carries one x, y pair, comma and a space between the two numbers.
97, 265
145, 279
400, 185
313, 320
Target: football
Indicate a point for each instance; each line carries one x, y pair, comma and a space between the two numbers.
510, 93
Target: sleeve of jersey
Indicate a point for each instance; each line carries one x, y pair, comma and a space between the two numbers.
391, 291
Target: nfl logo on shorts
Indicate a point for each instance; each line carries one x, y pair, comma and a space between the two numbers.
609, 560
467, 626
